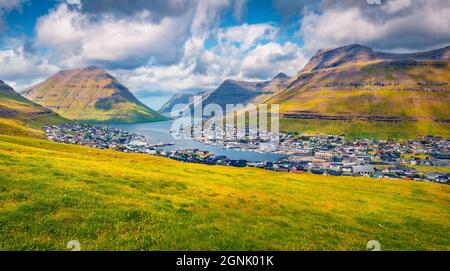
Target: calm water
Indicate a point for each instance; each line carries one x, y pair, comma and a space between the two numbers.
159, 132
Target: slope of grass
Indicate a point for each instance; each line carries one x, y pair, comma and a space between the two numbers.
91, 96
19, 116
401, 97
365, 129
52, 193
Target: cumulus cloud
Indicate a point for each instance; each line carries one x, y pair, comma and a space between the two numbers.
77, 39
23, 69
267, 59
245, 35
395, 25
148, 54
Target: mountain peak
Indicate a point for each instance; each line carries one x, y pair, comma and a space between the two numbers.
330, 58
90, 94
281, 76
353, 53
93, 68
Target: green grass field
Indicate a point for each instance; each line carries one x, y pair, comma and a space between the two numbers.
51, 193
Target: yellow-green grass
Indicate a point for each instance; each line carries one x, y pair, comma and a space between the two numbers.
24, 117
431, 169
51, 193
365, 129
371, 102
413, 156
87, 104
404, 98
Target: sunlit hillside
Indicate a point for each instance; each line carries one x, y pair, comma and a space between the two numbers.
51, 193
90, 95
355, 91
19, 116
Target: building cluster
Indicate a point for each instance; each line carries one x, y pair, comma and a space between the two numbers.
423, 159
97, 136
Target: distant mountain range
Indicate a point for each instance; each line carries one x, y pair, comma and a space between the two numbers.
19, 116
186, 99
357, 91
231, 92
350, 90
90, 95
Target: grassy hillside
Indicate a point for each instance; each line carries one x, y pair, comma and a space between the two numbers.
365, 129
91, 95
52, 193
342, 83
19, 116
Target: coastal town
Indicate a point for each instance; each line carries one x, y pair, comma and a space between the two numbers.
425, 158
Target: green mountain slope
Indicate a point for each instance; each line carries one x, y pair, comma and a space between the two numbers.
51, 193
359, 92
90, 95
19, 116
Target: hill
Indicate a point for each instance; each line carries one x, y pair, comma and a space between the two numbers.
231, 92
90, 95
241, 92
357, 91
52, 193
19, 116
187, 99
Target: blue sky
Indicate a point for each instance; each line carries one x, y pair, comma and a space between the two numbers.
158, 48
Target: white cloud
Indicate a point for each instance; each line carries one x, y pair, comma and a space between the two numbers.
20, 69
263, 62
246, 35
267, 60
207, 15
400, 24
77, 39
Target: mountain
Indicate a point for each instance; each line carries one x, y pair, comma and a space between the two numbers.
19, 116
356, 53
90, 95
230, 92
187, 99
241, 92
357, 91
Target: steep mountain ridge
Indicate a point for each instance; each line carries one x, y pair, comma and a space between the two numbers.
19, 116
354, 89
355, 53
231, 92
91, 95
187, 99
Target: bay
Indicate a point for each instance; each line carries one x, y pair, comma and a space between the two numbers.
159, 133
